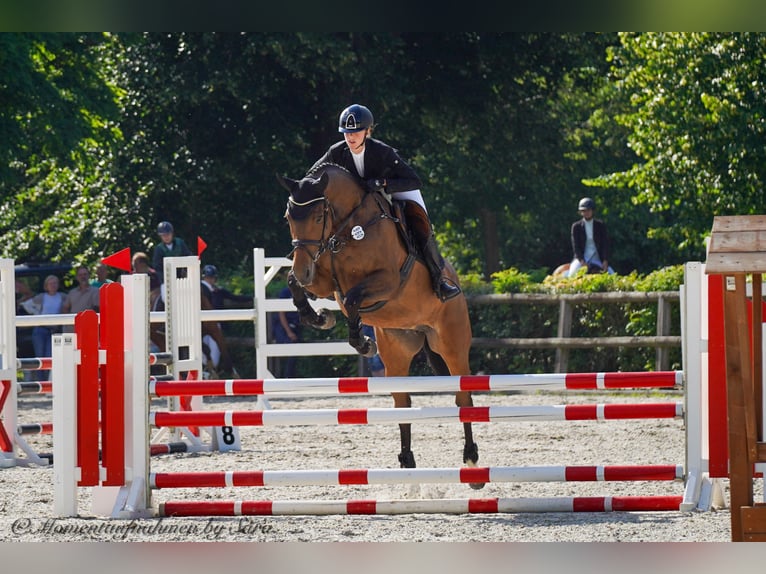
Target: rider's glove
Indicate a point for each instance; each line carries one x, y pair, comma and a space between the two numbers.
375, 184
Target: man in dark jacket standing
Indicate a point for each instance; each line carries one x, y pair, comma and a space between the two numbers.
381, 169
590, 241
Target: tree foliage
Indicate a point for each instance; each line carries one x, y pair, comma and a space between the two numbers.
104, 135
696, 121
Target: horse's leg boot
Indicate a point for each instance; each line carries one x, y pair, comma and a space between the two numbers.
429, 249
406, 458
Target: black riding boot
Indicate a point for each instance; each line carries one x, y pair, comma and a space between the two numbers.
418, 221
443, 287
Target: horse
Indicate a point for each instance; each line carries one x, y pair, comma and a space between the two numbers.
349, 243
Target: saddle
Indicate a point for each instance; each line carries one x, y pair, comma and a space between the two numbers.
397, 210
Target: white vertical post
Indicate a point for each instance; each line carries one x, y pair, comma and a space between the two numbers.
137, 433
66, 473
8, 412
261, 357
694, 356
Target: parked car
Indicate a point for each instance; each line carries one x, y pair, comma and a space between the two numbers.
30, 278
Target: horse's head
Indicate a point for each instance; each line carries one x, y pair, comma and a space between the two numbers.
307, 216
318, 207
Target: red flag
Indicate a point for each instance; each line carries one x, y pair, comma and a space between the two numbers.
201, 246
120, 260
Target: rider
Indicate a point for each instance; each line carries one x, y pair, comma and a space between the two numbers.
381, 168
590, 240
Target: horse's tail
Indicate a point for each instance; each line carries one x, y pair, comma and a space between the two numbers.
438, 366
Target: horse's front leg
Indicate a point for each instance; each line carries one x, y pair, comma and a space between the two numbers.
323, 320
363, 344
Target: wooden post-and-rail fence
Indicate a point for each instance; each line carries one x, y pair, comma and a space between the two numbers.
563, 341
567, 302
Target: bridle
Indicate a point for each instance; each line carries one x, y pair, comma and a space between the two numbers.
336, 241
341, 234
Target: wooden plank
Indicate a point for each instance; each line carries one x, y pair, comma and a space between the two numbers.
735, 263
738, 241
738, 383
754, 522
757, 357
761, 452
739, 223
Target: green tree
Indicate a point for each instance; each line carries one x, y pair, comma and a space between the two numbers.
695, 110
57, 135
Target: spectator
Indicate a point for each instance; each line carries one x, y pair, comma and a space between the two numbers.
140, 264
82, 297
219, 295
590, 241
381, 168
25, 304
50, 302
169, 246
286, 328
374, 363
102, 276
213, 340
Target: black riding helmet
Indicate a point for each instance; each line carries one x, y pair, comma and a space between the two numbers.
586, 203
355, 118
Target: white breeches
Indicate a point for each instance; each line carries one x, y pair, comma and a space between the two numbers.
215, 352
411, 195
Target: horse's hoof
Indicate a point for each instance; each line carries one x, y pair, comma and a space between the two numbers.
406, 459
471, 454
470, 458
325, 320
369, 348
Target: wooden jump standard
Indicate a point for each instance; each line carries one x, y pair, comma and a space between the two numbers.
738, 248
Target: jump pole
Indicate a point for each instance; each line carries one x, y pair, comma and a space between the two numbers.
464, 475
438, 506
432, 384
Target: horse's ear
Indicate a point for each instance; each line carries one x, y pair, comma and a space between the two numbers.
286, 182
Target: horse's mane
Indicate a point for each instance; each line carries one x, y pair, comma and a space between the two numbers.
320, 168
302, 199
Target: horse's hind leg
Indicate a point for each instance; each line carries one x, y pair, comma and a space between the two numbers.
462, 399
406, 458
397, 348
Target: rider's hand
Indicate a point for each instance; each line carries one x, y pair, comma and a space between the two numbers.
375, 184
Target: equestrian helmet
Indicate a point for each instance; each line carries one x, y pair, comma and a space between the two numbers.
586, 203
355, 118
165, 227
210, 271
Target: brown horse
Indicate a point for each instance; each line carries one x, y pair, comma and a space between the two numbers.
347, 244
